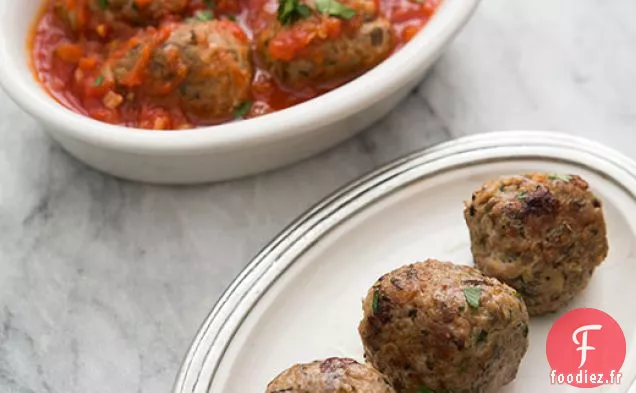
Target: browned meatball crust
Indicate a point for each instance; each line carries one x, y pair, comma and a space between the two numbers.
333, 375
436, 326
543, 234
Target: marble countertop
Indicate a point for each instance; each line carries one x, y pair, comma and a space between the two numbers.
103, 283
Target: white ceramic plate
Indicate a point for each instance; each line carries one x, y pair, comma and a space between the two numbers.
300, 299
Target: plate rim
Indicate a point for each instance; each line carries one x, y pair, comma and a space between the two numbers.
191, 378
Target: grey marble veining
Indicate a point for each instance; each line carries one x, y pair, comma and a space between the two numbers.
103, 283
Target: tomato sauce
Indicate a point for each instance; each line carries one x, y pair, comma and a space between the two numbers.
68, 64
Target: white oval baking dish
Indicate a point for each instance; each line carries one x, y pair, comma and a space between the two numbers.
228, 150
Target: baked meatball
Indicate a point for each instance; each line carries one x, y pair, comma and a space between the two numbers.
334, 375
322, 48
142, 13
139, 12
543, 234
149, 12
436, 326
206, 65
99, 17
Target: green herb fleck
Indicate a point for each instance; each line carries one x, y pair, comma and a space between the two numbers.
522, 196
483, 335
518, 295
424, 389
472, 294
98, 81
210, 3
563, 178
232, 18
103, 4
243, 109
334, 8
461, 309
290, 11
502, 187
397, 283
304, 11
201, 16
204, 15
375, 305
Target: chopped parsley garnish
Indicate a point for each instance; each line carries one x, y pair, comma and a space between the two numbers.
210, 3
243, 109
201, 16
290, 11
523, 195
375, 306
334, 8
98, 81
103, 4
204, 15
556, 176
232, 18
472, 294
518, 295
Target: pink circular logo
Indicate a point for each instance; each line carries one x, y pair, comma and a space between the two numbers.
586, 348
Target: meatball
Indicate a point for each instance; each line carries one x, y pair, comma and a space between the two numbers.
139, 12
149, 12
77, 14
334, 375
219, 70
322, 48
206, 65
436, 326
543, 234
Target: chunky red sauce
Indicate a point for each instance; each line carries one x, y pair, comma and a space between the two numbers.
69, 64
